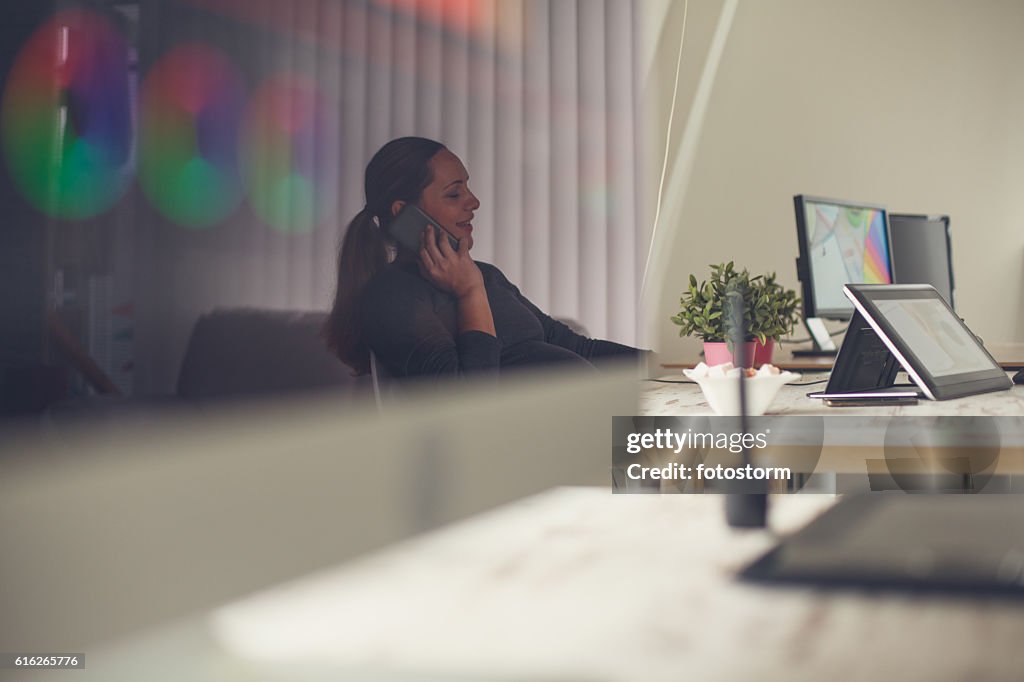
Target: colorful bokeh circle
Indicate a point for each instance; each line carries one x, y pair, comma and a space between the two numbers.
66, 116
191, 111
287, 169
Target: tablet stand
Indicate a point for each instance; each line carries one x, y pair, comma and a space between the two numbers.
864, 363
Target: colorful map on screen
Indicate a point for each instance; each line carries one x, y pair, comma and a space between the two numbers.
847, 244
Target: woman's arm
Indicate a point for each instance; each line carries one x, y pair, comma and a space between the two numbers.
559, 334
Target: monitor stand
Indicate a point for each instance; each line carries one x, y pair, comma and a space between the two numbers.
822, 344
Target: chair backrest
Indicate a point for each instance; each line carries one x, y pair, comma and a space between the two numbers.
381, 380
250, 351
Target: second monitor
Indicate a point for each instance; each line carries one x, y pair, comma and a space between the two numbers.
922, 252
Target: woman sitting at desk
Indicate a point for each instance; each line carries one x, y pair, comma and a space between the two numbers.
435, 312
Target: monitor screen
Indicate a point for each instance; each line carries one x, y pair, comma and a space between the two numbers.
841, 242
921, 252
943, 346
168, 513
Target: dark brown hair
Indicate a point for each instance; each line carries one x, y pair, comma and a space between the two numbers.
399, 171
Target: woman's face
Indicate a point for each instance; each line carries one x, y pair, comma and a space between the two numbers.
448, 199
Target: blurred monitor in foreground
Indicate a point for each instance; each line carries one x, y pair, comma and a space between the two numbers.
112, 531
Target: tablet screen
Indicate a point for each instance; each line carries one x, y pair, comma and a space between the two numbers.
937, 338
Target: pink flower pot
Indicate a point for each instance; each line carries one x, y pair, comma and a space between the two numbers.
755, 353
763, 352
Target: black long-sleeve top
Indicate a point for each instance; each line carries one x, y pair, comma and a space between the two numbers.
412, 328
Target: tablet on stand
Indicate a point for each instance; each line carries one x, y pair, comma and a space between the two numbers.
909, 327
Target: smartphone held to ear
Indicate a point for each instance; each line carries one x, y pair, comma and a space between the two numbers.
409, 224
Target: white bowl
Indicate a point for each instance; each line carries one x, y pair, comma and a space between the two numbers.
723, 392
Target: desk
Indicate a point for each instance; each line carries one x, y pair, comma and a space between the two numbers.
858, 448
577, 584
671, 399
1010, 356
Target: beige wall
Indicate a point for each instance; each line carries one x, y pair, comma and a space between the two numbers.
915, 104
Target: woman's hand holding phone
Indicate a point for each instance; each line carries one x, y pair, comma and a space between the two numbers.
457, 273
449, 270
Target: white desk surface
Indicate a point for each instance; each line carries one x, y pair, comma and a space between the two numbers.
664, 399
579, 584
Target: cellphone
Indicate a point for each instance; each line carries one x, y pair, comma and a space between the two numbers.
869, 402
409, 224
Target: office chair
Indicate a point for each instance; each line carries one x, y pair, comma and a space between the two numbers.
382, 381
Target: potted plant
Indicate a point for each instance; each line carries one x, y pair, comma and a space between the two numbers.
769, 313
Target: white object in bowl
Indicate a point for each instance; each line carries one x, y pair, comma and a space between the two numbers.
722, 389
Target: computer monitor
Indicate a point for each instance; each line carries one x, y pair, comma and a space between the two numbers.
841, 242
122, 526
922, 252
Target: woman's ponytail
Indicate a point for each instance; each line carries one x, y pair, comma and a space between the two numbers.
363, 252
